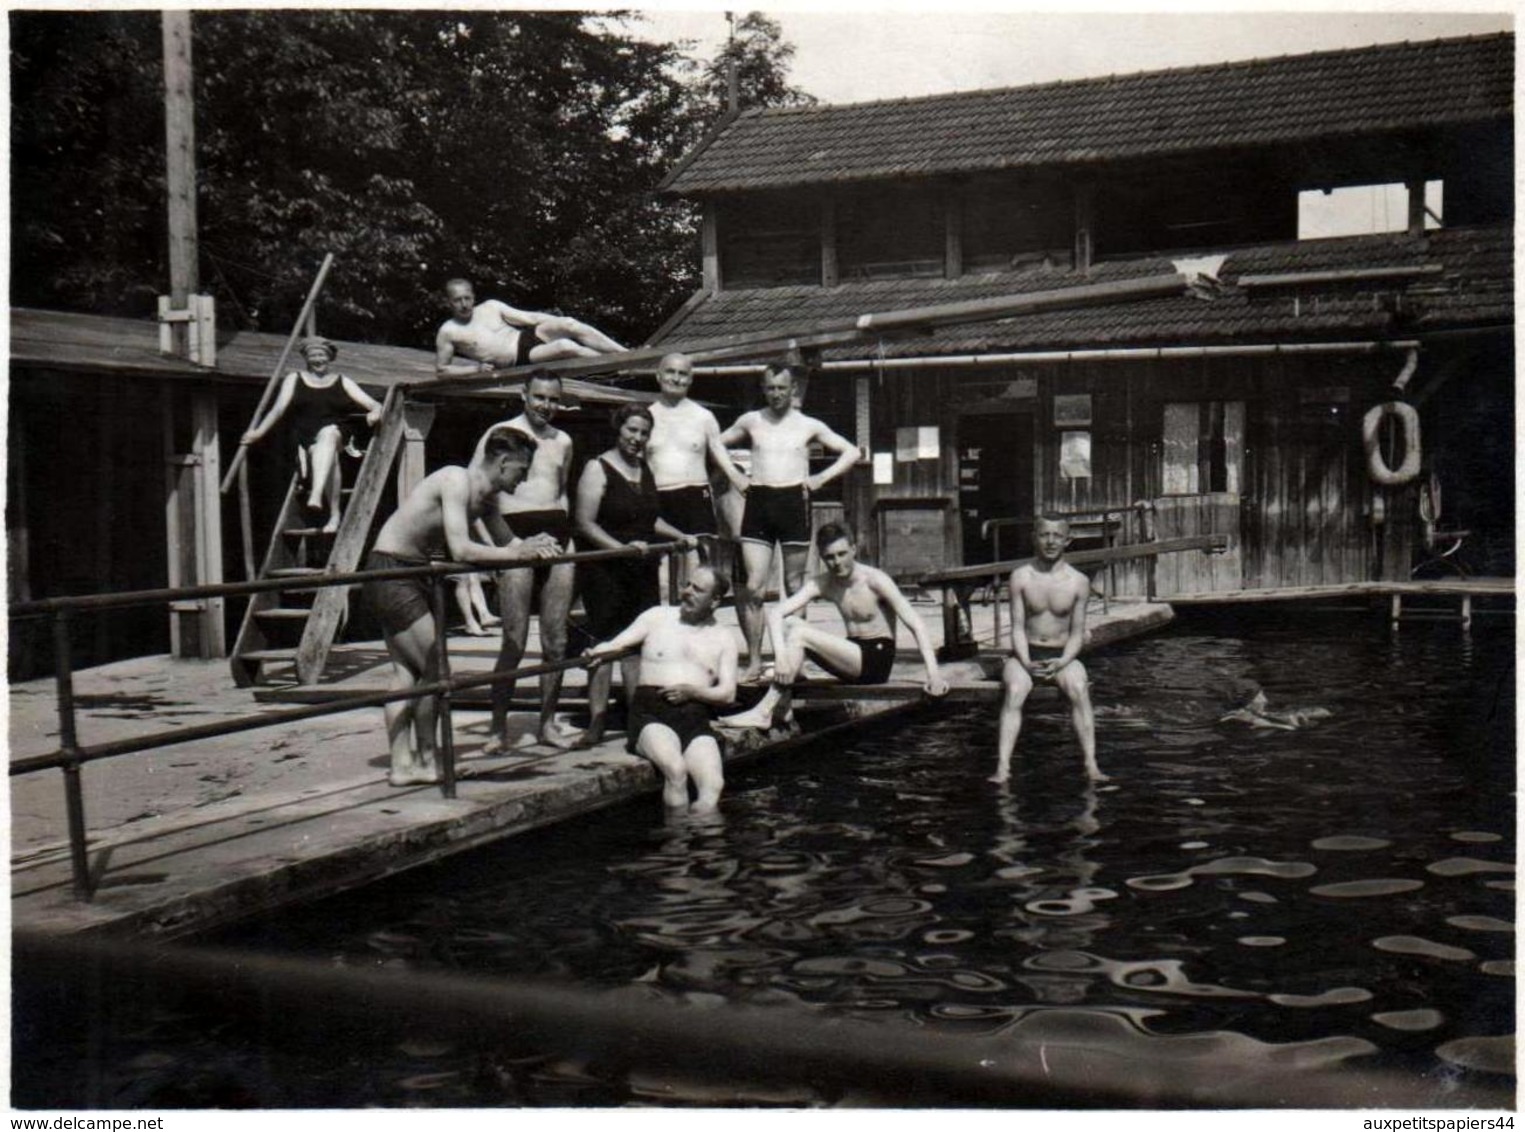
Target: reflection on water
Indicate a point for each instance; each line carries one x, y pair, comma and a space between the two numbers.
1282, 897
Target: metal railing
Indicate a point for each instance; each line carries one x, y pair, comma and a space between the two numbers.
71, 755
959, 582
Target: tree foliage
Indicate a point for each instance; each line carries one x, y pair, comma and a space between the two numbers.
519, 149
761, 56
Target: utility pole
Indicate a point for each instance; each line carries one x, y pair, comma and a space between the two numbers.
188, 329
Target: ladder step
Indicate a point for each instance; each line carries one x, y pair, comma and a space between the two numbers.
267, 655
282, 615
297, 572
306, 532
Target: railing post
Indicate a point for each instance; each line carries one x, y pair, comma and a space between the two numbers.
674, 568
68, 741
442, 701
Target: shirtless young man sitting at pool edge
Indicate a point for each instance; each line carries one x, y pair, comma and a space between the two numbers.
870, 604
437, 515
493, 335
684, 437
538, 505
1048, 613
778, 497
688, 668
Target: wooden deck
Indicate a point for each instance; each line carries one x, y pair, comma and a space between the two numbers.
191, 836
1456, 587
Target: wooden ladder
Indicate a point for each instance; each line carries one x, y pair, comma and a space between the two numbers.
281, 629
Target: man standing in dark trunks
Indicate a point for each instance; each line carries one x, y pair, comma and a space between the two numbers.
870, 604
438, 514
1048, 626
688, 668
538, 505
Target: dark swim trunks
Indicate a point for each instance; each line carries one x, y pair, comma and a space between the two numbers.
690, 509
528, 340
396, 602
690, 720
1039, 653
552, 521
776, 514
878, 657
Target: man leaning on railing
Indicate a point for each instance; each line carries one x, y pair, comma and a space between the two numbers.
439, 513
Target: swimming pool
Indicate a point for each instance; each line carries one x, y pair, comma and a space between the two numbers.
1337, 896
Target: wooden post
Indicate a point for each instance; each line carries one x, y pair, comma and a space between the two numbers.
180, 168
709, 240
1466, 611
953, 235
1415, 186
830, 271
1085, 225
213, 636
1395, 609
179, 646
417, 420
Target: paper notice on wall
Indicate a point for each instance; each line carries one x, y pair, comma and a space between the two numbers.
1075, 456
919, 442
884, 468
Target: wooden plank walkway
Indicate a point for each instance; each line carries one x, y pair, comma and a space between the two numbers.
1457, 587
191, 836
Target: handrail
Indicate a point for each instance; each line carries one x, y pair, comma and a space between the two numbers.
71, 756
82, 754
1080, 558
315, 581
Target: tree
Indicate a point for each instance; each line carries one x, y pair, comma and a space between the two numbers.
761, 56
520, 149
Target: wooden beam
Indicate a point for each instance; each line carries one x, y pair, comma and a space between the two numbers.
417, 420
1085, 225
1415, 186
830, 270
709, 242
180, 166
841, 331
212, 638
953, 234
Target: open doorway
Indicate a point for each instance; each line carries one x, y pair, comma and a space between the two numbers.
995, 485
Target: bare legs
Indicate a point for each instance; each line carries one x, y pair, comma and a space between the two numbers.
516, 589
699, 761
1018, 685
788, 661
323, 459
600, 682
410, 723
569, 338
757, 559
473, 604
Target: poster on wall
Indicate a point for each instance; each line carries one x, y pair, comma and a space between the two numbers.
919, 442
1075, 456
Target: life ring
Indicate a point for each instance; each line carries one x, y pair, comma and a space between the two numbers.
1376, 466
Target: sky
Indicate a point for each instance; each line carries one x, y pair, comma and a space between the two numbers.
898, 51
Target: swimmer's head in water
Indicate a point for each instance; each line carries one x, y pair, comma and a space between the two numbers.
1244, 693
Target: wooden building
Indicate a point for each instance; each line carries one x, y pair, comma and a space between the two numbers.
1240, 414
115, 452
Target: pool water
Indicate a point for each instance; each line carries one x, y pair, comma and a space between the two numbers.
1340, 895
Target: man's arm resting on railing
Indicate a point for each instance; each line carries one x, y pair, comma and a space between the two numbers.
463, 548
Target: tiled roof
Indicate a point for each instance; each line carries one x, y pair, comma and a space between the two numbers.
1295, 98
1473, 288
88, 343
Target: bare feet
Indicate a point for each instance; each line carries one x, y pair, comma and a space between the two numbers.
756, 717
419, 772
752, 675
1095, 775
332, 525
999, 777
476, 631
495, 745
561, 736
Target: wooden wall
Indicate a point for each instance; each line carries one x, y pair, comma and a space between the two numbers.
1296, 502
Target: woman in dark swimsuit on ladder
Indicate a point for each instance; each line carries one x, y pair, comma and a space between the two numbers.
616, 507
323, 408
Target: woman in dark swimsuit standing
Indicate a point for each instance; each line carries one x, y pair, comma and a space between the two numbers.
323, 409
617, 507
